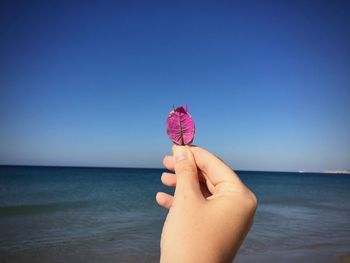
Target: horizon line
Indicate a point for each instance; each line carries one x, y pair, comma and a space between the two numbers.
159, 168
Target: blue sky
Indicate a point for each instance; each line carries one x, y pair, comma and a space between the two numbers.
267, 82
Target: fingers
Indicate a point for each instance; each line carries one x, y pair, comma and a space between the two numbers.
168, 162
186, 172
214, 169
210, 169
165, 200
168, 179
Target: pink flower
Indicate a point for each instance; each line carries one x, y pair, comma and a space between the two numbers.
180, 126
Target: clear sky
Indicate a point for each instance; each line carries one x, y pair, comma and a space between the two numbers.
267, 82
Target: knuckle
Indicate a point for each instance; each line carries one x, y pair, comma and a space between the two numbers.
251, 201
248, 201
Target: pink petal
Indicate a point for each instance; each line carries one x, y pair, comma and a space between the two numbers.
180, 126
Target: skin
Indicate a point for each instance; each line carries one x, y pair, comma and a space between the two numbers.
211, 211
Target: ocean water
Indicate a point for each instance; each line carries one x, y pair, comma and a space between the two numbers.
63, 214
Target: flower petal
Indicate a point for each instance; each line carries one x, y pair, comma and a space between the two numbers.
180, 126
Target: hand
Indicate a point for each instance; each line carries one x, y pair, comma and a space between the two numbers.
211, 210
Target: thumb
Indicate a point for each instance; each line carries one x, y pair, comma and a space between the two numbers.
186, 171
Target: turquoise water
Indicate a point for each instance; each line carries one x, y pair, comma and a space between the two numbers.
55, 214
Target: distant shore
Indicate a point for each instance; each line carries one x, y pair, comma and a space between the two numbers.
336, 171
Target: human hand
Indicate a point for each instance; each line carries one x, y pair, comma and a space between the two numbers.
211, 210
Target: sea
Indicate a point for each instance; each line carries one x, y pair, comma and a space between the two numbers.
73, 214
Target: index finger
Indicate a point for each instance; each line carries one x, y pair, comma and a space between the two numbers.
213, 168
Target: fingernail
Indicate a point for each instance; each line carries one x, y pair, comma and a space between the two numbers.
179, 154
